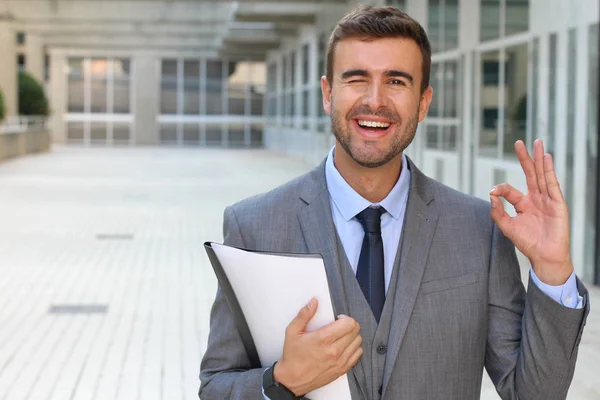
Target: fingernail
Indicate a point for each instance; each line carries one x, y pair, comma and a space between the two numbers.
309, 305
492, 201
493, 190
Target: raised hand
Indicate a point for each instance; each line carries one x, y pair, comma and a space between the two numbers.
313, 359
540, 230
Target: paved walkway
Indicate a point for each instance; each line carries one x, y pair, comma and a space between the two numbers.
105, 288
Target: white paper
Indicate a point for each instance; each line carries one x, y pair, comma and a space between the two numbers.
271, 289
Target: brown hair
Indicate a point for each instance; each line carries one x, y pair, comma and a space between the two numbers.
369, 23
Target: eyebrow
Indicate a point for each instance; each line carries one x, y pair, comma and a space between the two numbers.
389, 73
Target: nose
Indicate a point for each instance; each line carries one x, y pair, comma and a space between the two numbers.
374, 98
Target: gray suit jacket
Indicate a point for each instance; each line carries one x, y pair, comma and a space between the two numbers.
456, 303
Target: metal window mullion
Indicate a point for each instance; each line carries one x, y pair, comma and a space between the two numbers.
132, 100
224, 100
202, 78
442, 26
110, 96
501, 108
543, 91
502, 18
529, 91
247, 107
179, 126
87, 100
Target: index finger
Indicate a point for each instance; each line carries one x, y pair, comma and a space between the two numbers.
332, 332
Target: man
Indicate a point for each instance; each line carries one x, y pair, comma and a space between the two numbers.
425, 279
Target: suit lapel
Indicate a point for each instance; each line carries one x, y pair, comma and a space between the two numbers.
419, 227
321, 236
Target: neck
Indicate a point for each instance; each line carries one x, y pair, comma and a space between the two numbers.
373, 184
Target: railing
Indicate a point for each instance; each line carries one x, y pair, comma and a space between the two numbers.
16, 124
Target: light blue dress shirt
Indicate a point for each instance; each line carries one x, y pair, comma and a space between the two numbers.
346, 203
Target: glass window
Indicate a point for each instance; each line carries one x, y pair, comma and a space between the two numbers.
442, 24
305, 64
293, 69
515, 97
401, 4
432, 133
451, 95
214, 87
305, 108
122, 82
571, 92
490, 19
236, 88
553, 63
434, 25
451, 24
489, 103
191, 87
75, 95
449, 138
98, 85
514, 12
121, 133
517, 16
322, 55
436, 84
168, 95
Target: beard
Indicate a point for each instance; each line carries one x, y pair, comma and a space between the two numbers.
366, 152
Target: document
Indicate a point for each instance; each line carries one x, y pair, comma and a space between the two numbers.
271, 288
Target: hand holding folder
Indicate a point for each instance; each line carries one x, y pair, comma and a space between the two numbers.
264, 292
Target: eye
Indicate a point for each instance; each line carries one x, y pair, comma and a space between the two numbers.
397, 82
356, 81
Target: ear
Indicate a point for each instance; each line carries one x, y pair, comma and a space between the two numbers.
425, 102
326, 92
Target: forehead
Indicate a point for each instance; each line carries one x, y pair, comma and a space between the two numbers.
378, 55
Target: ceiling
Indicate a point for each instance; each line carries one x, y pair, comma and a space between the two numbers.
243, 28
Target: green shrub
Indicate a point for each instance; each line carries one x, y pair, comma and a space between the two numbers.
1, 106
32, 99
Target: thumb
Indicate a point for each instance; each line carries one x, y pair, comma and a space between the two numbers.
298, 324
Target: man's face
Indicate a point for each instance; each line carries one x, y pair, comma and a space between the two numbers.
375, 100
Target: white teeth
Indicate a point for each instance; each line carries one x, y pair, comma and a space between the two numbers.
373, 124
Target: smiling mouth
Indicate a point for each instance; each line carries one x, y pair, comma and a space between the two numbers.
375, 125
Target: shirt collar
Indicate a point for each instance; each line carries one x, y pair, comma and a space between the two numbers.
350, 203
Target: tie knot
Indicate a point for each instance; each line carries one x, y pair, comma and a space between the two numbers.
370, 218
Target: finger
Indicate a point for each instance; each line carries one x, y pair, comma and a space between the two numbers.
350, 350
527, 165
298, 324
332, 332
355, 351
512, 195
551, 180
500, 217
538, 161
345, 341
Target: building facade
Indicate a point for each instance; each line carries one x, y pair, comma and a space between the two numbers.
247, 73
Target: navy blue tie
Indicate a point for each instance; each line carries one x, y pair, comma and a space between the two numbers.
370, 271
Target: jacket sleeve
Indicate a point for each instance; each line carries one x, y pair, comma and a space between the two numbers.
532, 340
225, 369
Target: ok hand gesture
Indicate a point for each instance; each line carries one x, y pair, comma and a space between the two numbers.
540, 230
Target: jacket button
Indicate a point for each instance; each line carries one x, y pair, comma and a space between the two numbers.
381, 349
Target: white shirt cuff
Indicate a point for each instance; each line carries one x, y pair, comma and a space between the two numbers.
566, 294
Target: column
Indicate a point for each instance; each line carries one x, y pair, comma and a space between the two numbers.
34, 57
8, 66
58, 95
146, 95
